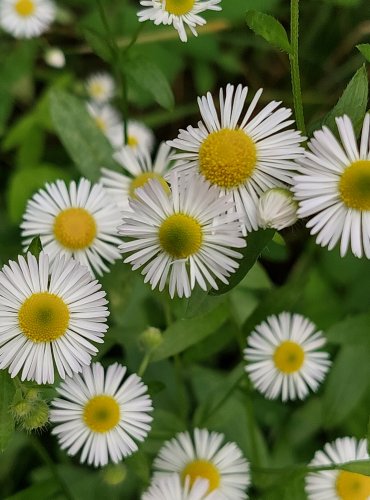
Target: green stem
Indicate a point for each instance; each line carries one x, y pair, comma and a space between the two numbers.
144, 364
294, 65
301, 467
42, 452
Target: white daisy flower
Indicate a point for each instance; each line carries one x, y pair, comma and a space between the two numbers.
78, 220
26, 18
101, 415
140, 168
107, 119
49, 316
179, 13
55, 58
139, 136
171, 488
188, 232
276, 209
204, 457
100, 87
283, 357
240, 155
339, 484
333, 189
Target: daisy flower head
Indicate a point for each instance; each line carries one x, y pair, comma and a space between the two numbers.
100, 87
187, 235
78, 220
204, 456
179, 13
26, 18
100, 415
276, 209
49, 316
283, 359
106, 118
140, 168
172, 488
339, 484
241, 155
139, 136
333, 188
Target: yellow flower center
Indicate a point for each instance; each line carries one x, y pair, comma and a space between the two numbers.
352, 486
354, 185
203, 469
43, 317
75, 228
101, 413
180, 236
132, 141
101, 124
142, 179
227, 158
24, 8
178, 7
289, 357
96, 89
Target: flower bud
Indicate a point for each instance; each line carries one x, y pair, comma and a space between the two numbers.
277, 209
114, 474
150, 339
55, 58
37, 418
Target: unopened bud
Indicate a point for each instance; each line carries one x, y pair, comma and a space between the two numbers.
114, 474
150, 339
277, 209
37, 418
55, 58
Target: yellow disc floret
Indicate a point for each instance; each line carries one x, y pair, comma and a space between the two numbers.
43, 317
289, 357
75, 228
227, 158
101, 413
354, 185
142, 179
352, 486
24, 8
96, 89
132, 141
180, 236
101, 123
178, 7
202, 469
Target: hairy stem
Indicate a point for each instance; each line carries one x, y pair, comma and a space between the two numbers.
294, 65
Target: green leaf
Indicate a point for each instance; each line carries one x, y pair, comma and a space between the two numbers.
347, 383
256, 242
353, 102
148, 76
187, 332
98, 43
270, 29
368, 436
351, 331
46, 490
364, 48
7, 391
35, 246
359, 466
85, 143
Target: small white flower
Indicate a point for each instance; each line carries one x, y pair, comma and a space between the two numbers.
78, 220
107, 119
277, 209
49, 315
179, 13
190, 231
101, 415
55, 58
203, 456
333, 189
283, 357
139, 136
26, 18
241, 155
171, 488
339, 484
100, 87
140, 168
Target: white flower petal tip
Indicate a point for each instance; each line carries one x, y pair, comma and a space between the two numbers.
172, 488
283, 357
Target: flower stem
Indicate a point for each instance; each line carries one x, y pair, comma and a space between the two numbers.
294, 65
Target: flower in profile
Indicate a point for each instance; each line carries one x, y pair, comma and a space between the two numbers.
140, 168
139, 136
186, 235
240, 155
172, 488
283, 357
106, 118
26, 18
276, 209
55, 57
49, 316
100, 415
203, 456
333, 188
179, 13
78, 220
100, 87
339, 484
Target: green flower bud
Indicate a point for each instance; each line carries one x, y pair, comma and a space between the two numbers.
114, 474
37, 418
150, 339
